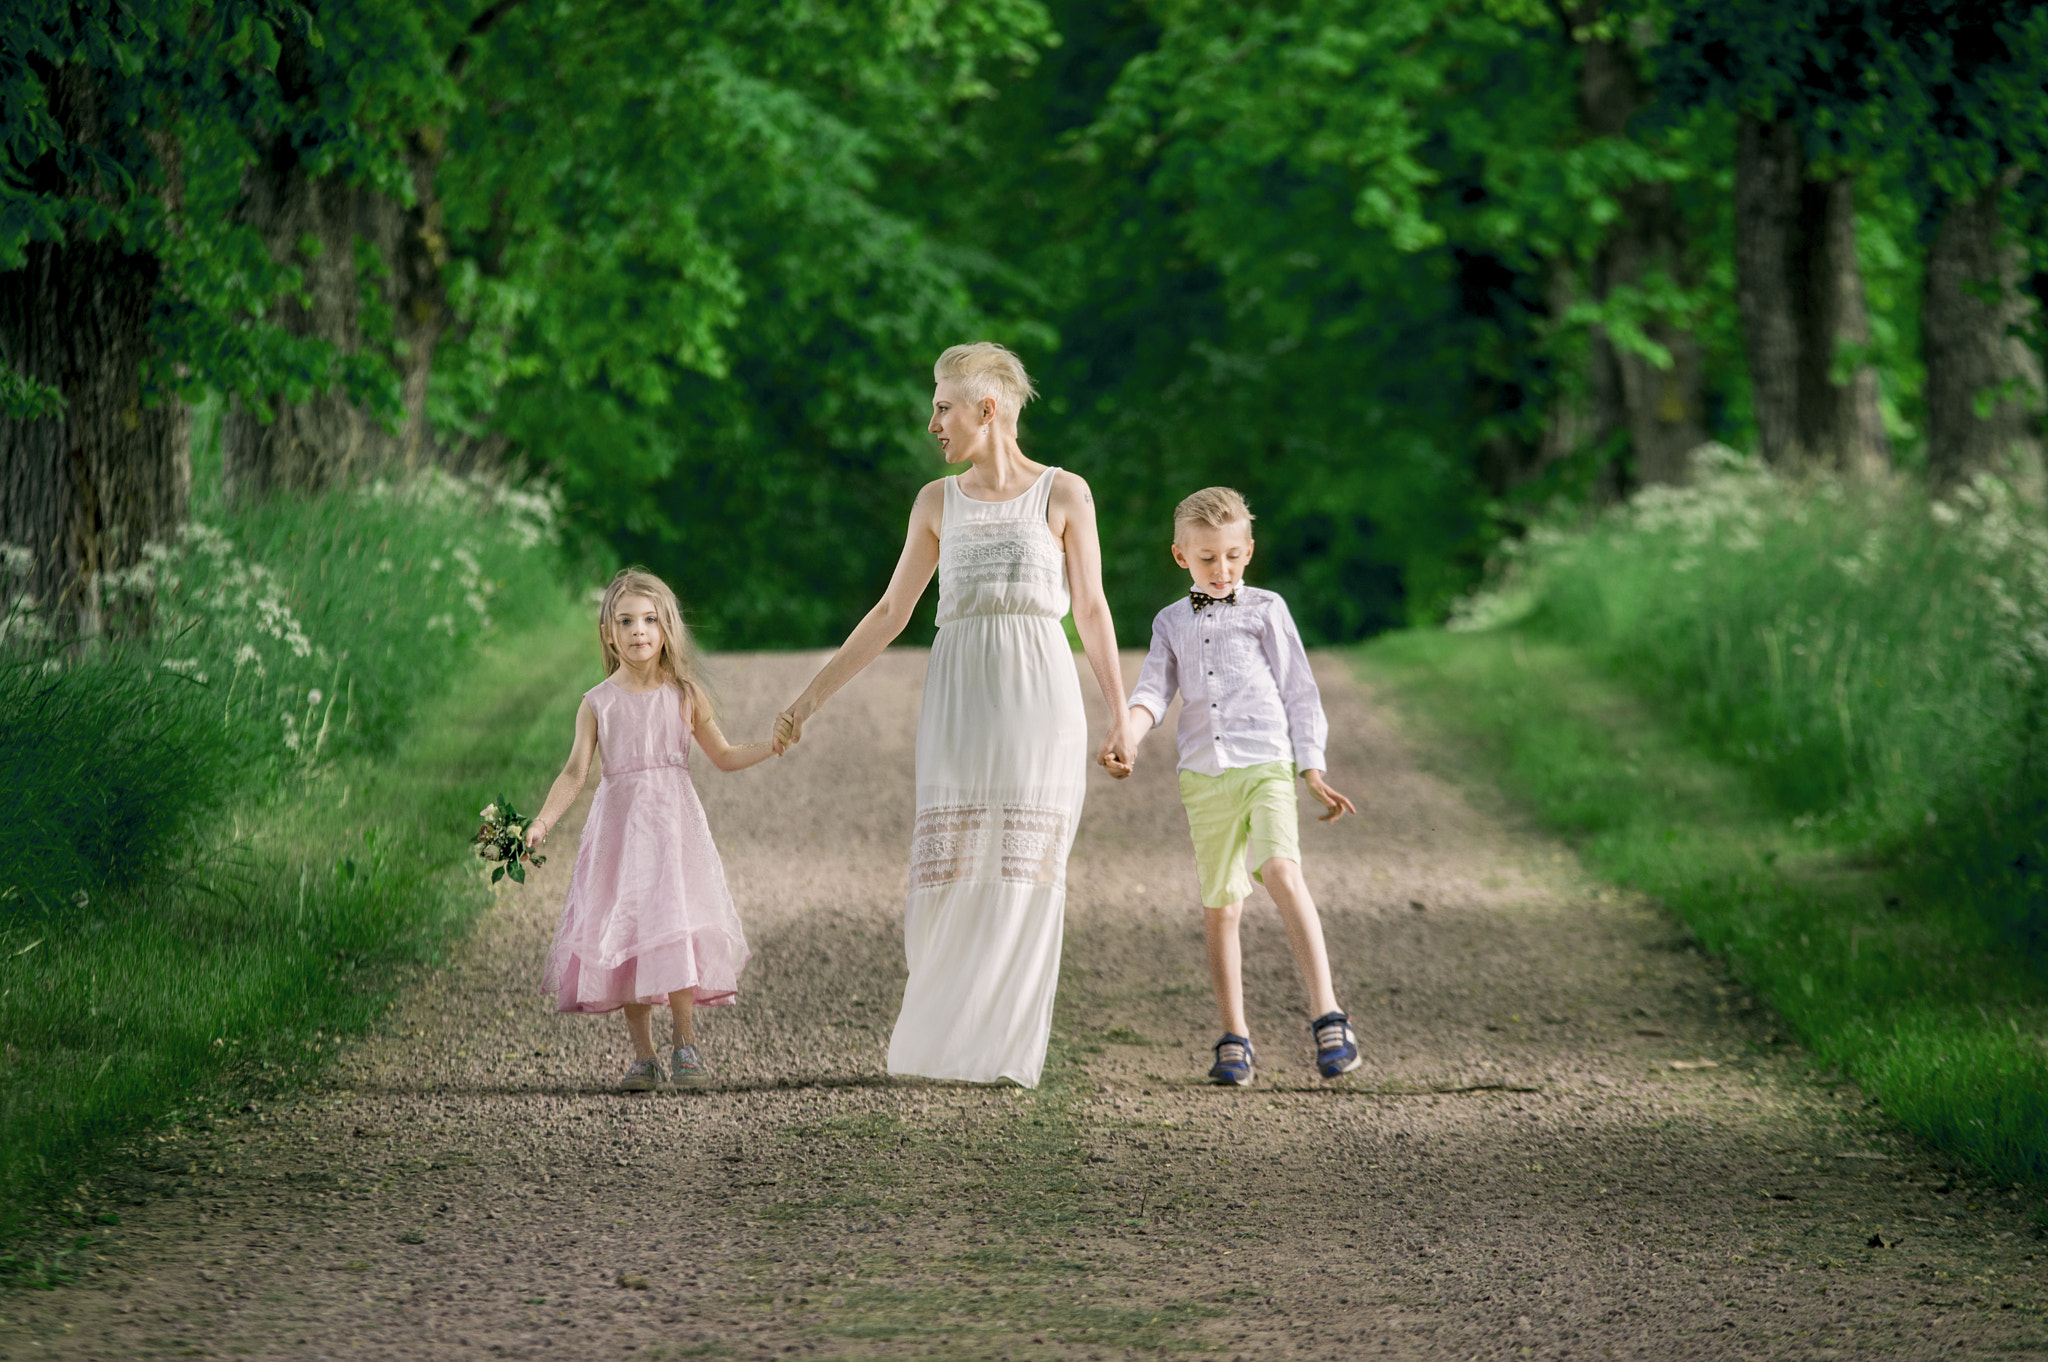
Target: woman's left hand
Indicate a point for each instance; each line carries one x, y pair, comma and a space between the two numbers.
1115, 756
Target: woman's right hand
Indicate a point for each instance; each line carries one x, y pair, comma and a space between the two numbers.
789, 726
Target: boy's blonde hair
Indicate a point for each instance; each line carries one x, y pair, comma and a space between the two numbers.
985, 369
678, 657
1214, 507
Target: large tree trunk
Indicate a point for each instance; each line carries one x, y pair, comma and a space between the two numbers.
1841, 419
1770, 166
85, 489
1800, 294
331, 438
1984, 381
1661, 406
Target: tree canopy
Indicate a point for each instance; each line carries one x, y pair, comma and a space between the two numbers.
1403, 271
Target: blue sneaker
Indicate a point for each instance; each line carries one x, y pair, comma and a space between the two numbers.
1234, 1061
687, 1068
1336, 1045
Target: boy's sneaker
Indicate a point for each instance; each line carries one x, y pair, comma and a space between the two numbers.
1336, 1045
687, 1068
1234, 1061
645, 1075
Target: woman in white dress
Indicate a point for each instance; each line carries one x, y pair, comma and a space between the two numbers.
1002, 744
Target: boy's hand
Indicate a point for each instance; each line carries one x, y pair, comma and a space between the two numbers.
1335, 805
1115, 756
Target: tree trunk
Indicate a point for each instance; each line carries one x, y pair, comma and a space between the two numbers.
1984, 382
84, 490
1770, 167
1662, 407
1840, 420
1800, 293
331, 438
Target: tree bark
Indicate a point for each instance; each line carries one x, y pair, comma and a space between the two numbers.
1770, 167
1984, 381
1800, 293
84, 490
1841, 420
331, 438
1662, 407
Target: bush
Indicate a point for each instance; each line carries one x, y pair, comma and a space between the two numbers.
1877, 662
250, 654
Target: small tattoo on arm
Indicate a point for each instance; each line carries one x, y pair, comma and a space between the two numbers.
1088, 497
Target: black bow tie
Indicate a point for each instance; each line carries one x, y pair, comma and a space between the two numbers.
1202, 600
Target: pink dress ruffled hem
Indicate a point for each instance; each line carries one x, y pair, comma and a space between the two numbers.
648, 911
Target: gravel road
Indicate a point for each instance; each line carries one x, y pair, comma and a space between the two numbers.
1574, 1136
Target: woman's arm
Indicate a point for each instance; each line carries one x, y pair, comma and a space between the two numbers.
569, 784
1073, 511
880, 626
728, 756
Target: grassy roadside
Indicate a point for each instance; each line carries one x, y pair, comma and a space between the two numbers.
1923, 1003
243, 974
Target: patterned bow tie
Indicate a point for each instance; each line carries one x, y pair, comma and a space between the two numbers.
1201, 600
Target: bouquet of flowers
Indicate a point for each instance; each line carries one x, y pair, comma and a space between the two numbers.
502, 840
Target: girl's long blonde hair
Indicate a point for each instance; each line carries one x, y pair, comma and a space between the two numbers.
678, 659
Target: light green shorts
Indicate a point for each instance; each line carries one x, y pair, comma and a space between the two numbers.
1245, 808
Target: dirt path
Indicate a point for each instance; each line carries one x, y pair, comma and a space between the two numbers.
1521, 1170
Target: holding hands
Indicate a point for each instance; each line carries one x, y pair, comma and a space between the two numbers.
1117, 752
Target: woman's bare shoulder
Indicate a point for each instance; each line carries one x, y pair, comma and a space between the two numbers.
1070, 490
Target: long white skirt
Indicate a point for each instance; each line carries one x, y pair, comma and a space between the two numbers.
1002, 765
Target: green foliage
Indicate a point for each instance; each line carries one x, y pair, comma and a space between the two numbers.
687, 293
1874, 663
1912, 994
263, 646
187, 993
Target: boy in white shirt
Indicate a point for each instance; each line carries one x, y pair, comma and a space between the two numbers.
1251, 719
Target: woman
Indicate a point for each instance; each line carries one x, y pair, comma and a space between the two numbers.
1002, 744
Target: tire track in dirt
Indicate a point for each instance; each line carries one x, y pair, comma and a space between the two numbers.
1520, 1170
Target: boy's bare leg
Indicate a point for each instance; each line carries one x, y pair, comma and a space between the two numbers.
640, 1025
682, 1011
1226, 964
1304, 931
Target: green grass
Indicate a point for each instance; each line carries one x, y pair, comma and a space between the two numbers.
1923, 999
295, 932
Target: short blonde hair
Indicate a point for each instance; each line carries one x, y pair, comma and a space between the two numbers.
677, 660
984, 369
1214, 507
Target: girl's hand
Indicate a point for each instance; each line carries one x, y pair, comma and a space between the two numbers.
1335, 805
789, 727
534, 832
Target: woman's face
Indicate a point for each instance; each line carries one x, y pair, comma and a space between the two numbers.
963, 427
636, 630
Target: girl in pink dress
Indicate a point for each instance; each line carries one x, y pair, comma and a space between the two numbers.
649, 918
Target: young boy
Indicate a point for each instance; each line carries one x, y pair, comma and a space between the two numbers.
1251, 719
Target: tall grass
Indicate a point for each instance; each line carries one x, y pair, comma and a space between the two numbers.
230, 819
1877, 663
244, 656
1809, 719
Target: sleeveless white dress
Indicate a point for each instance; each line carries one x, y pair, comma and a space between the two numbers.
1002, 765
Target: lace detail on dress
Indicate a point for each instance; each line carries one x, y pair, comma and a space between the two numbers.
951, 842
1010, 565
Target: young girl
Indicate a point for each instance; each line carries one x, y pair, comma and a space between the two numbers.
649, 916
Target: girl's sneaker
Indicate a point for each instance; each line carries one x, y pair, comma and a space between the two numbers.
1234, 1061
687, 1067
645, 1075
1336, 1045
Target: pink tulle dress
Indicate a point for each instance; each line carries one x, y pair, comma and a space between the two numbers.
648, 910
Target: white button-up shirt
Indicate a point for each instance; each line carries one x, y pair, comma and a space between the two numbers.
1248, 694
